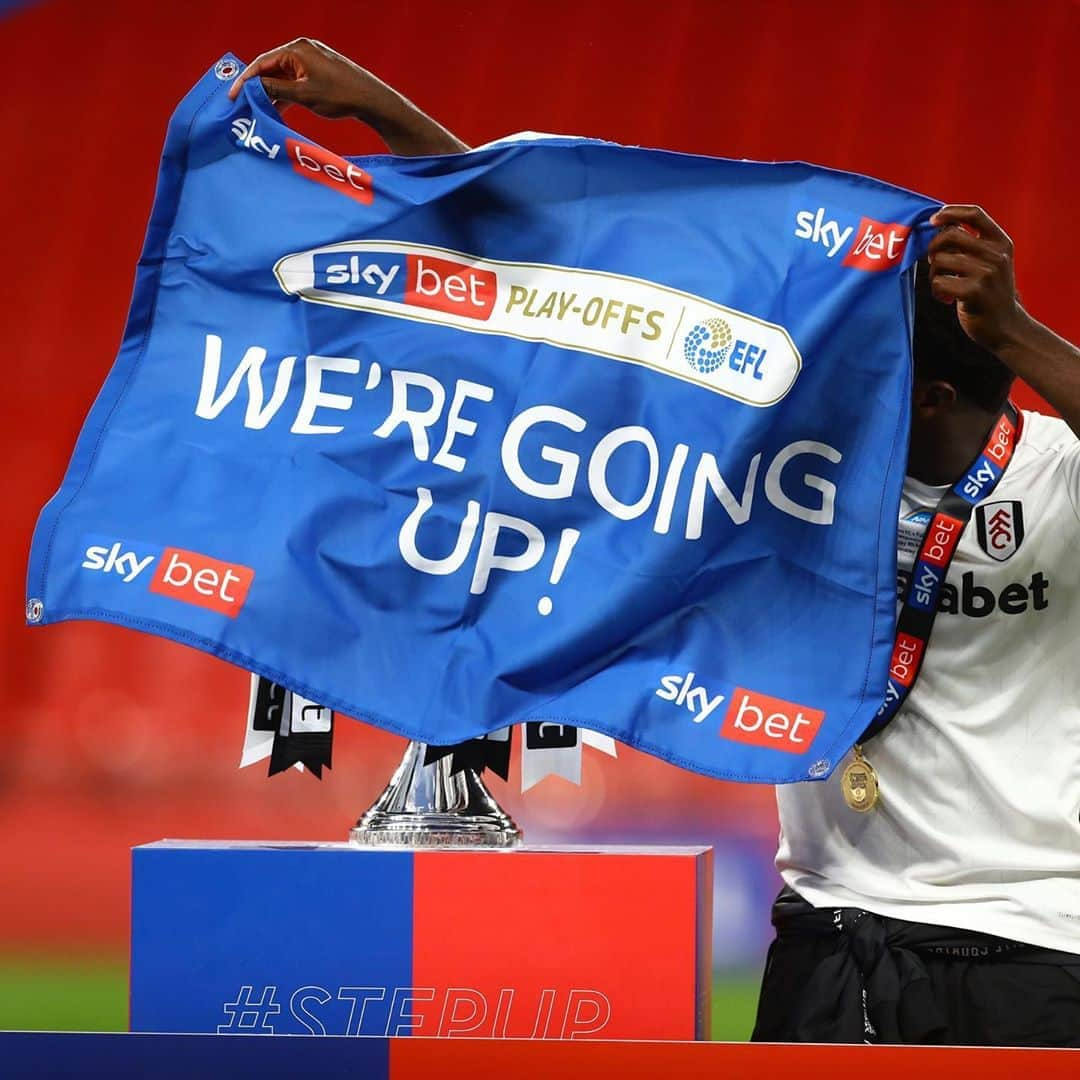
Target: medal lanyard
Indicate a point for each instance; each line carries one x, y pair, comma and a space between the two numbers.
952, 513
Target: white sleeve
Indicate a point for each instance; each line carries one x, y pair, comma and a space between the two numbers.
1070, 465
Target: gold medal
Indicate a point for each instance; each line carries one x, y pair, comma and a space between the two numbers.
859, 784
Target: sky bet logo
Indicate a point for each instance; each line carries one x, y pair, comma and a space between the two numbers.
246, 136
309, 161
752, 718
926, 583
680, 689
419, 280
620, 318
942, 537
182, 575
985, 472
314, 163
907, 652
771, 722
876, 245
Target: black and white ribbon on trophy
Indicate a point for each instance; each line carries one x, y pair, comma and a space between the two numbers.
286, 728
290, 730
491, 751
550, 748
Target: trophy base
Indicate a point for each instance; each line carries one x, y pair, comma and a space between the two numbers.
428, 806
433, 830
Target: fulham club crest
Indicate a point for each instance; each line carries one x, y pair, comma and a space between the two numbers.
1001, 528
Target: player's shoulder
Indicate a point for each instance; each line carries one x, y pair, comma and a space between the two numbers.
1047, 435
1048, 460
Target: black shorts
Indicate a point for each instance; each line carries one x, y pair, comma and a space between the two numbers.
849, 976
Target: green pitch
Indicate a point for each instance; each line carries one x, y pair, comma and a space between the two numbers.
734, 1006
51, 994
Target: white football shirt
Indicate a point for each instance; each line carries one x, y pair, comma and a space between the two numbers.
978, 826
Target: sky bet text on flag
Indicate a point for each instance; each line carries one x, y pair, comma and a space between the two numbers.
553, 430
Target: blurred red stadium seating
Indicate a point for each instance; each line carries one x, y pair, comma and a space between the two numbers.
112, 738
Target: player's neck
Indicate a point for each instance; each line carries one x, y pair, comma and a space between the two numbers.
944, 446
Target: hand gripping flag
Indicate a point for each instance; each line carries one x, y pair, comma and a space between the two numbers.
554, 430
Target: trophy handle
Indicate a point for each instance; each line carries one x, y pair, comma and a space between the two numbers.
429, 806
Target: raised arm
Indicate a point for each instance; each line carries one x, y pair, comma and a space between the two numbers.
309, 73
971, 261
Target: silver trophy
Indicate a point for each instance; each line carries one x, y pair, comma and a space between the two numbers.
432, 806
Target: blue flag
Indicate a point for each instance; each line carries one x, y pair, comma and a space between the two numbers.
555, 429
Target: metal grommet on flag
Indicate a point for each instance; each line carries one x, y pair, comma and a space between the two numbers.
226, 69
35, 610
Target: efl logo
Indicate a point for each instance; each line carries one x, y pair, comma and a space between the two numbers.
709, 345
330, 170
907, 653
198, 579
453, 287
877, 245
772, 722
942, 536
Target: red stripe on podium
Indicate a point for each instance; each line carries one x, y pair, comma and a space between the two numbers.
560, 944
450, 1059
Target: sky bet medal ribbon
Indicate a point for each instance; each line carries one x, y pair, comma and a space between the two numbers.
552, 431
859, 782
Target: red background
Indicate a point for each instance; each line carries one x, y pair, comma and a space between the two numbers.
111, 738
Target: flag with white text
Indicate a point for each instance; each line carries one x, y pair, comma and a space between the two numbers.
552, 431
